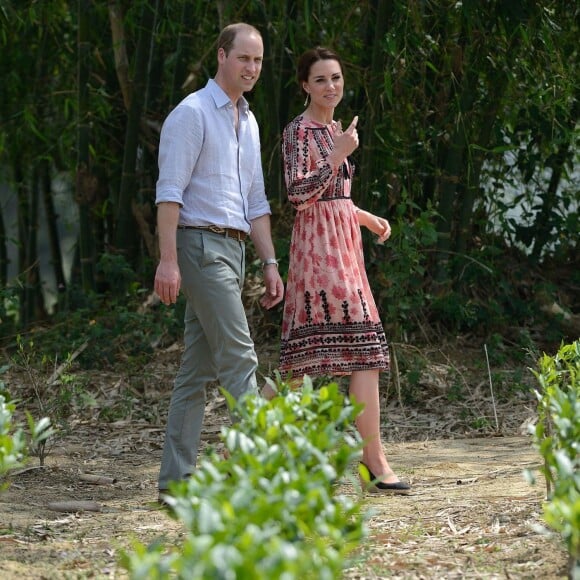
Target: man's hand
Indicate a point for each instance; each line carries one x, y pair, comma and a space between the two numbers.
167, 282
274, 287
167, 276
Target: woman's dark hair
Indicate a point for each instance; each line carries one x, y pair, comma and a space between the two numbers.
311, 56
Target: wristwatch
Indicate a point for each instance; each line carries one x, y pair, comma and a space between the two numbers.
269, 262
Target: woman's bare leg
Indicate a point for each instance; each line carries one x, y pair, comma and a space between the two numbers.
364, 387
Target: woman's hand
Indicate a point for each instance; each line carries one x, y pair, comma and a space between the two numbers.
378, 225
345, 142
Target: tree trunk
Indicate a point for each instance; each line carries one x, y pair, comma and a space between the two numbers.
452, 180
3, 251
497, 85
84, 180
180, 71
382, 10
52, 230
34, 298
270, 87
125, 234
120, 50
31, 300
543, 223
477, 159
23, 219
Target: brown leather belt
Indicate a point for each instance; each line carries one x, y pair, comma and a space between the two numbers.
226, 232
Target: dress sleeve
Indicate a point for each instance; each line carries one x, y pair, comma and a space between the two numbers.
306, 179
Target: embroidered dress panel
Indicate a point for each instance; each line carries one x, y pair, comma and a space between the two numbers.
331, 325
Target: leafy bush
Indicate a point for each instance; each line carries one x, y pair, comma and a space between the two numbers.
269, 510
13, 447
12, 443
9, 305
401, 267
116, 329
557, 437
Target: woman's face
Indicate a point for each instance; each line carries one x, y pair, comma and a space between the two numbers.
325, 84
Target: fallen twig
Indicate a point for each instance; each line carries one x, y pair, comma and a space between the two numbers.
74, 506
491, 388
63, 366
97, 479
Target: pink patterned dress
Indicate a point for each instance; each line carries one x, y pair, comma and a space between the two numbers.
331, 325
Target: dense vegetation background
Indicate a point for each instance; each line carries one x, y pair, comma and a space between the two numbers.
469, 132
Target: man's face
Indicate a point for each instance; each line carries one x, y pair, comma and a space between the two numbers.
242, 66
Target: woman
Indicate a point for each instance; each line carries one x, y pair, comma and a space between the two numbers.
331, 325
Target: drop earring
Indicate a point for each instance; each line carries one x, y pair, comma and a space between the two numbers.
306, 101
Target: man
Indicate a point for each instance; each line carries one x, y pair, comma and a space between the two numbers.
210, 196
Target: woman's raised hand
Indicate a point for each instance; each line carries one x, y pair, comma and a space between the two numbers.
345, 142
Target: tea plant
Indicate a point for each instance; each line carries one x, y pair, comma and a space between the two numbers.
13, 445
557, 437
270, 509
12, 442
56, 392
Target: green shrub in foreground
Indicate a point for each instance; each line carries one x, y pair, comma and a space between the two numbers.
13, 446
270, 510
557, 437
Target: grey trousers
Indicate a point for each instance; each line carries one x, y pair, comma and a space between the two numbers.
217, 343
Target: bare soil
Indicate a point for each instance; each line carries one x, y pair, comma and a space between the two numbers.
471, 513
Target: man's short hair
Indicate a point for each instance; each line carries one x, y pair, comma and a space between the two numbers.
228, 35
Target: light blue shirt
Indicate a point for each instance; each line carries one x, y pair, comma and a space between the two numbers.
214, 174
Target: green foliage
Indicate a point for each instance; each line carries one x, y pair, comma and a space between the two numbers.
69, 395
411, 367
12, 442
8, 309
48, 398
118, 273
118, 408
510, 384
468, 124
115, 329
496, 293
459, 108
401, 275
557, 438
269, 510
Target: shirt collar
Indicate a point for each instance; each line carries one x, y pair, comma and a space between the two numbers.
221, 99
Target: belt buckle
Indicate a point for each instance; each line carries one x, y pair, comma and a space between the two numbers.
216, 230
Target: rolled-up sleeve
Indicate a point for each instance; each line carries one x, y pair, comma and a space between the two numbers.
257, 202
179, 148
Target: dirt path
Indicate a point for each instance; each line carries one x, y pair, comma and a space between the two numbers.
471, 514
